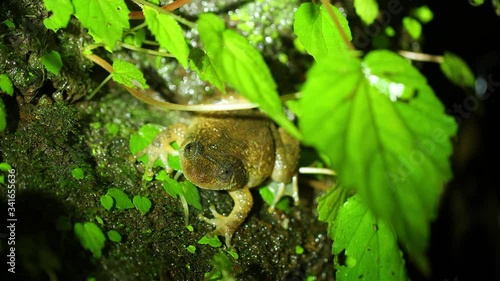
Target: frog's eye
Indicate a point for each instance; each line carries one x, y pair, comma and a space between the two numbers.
192, 149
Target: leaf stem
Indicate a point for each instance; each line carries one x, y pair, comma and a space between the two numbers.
336, 21
142, 25
99, 87
421, 56
147, 51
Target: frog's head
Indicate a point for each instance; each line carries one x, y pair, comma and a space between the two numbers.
209, 167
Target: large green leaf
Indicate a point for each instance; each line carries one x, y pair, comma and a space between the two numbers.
168, 33
368, 244
316, 30
242, 66
386, 135
104, 19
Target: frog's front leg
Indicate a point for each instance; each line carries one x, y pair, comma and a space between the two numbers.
161, 146
227, 225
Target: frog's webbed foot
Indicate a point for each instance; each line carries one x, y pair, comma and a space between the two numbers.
161, 147
281, 189
227, 225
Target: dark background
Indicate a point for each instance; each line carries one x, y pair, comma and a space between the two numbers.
465, 243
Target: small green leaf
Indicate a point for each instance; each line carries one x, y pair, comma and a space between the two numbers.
127, 74
105, 20
190, 228
369, 244
91, 237
99, 220
107, 201
317, 32
413, 27
114, 236
77, 173
174, 162
3, 116
95, 125
267, 194
168, 33
6, 85
172, 187
112, 128
222, 268
122, 201
191, 194
299, 250
476, 3
142, 138
10, 24
233, 254
5, 166
423, 13
143, 204
52, 62
61, 13
191, 249
212, 241
389, 31
457, 70
367, 10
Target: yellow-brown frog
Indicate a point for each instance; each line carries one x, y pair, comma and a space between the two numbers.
232, 151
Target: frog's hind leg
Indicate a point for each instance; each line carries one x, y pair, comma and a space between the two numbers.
227, 225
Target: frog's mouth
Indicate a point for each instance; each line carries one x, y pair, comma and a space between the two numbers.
212, 170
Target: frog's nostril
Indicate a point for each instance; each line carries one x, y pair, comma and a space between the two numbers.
192, 149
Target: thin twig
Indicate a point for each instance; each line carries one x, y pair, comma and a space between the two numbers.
172, 106
421, 56
147, 51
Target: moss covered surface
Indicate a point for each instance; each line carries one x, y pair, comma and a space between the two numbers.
53, 129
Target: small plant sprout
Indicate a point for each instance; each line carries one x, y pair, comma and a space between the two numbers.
91, 237
114, 236
212, 241
143, 204
77, 173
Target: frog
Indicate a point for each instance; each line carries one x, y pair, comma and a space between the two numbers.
231, 151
